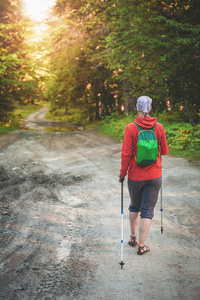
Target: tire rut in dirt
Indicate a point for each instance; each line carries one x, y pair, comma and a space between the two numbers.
37, 230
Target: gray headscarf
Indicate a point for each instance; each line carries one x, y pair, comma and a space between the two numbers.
144, 104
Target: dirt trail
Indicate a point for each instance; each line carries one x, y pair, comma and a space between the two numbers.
60, 223
37, 121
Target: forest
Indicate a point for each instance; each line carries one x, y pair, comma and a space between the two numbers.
95, 58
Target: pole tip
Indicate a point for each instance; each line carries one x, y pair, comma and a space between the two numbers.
122, 263
161, 230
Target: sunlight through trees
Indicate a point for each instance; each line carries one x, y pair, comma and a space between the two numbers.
94, 58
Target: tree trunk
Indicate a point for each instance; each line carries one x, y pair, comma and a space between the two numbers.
128, 98
97, 108
192, 121
182, 91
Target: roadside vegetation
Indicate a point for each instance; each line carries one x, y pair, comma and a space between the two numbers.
183, 138
5, 128
22, 111
18, 115
102, 56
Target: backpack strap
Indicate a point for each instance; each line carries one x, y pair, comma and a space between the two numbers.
140, 128
154, 127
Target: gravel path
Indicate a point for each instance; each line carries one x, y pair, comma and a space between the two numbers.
60, 223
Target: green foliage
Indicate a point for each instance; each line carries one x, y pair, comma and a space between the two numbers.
18, 115
73, 116
156, 45
83, 85
21, 111
114, 125
152, 45
5, 129
93, 48
18, 79
183, 139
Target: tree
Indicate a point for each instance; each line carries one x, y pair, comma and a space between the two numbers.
84, 84
128, 48
156, 44
18, 79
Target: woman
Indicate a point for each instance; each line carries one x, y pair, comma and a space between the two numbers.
144, 182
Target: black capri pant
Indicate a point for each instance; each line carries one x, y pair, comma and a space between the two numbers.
144, 195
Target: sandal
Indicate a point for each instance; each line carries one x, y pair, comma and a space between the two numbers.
142, 250
132, 242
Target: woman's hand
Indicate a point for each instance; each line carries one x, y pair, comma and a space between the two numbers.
121, 178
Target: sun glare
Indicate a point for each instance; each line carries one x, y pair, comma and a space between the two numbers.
38, 9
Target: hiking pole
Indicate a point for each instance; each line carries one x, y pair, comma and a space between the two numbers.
122, 263
161, 209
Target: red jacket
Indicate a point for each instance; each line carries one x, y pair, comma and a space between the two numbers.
129, 150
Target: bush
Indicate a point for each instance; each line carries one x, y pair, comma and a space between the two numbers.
114, 125
183, 138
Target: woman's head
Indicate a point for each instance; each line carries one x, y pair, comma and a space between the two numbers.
144, 104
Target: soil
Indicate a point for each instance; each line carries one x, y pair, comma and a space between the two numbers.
60, 221
37, 121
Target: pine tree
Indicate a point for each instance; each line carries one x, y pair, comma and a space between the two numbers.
18, 79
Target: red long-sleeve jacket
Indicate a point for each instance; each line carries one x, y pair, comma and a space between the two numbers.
129, 150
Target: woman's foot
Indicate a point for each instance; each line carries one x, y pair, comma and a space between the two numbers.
142, 250
132, 242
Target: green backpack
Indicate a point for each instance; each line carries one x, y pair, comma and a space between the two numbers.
147, 146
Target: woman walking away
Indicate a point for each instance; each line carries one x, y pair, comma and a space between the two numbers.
144, 177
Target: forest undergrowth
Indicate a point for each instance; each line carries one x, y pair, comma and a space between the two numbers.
183, 138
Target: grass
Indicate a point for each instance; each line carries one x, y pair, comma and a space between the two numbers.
19, 115
22, 111
183, 139
58, 115
5, 129
74, 116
